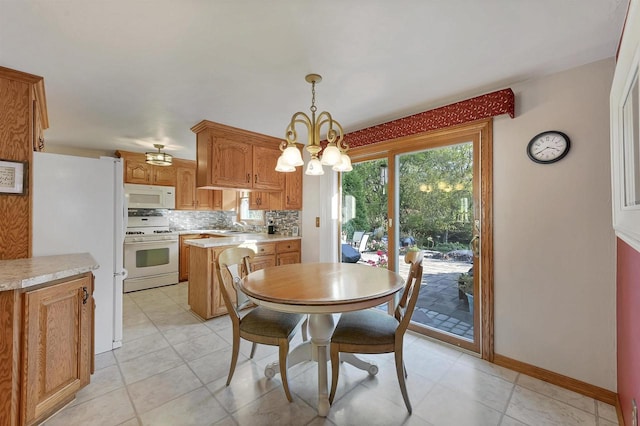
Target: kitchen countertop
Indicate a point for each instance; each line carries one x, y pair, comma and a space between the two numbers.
196, 231
216, 232
234, 239
22, 273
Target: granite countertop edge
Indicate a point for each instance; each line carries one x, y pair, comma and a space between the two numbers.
18, 274
238, 239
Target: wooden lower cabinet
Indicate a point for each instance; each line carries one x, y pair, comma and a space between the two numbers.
265, 256
56, 353
183, 254
204, 288
288, 252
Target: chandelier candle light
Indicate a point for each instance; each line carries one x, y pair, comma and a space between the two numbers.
334, 154
158, 158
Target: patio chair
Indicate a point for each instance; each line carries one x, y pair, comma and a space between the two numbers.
362, 245
357, 236
260, 325
371, 331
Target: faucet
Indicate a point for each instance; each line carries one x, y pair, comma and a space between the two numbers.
242, 224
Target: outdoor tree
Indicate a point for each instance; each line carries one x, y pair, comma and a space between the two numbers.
371, 200
435, 197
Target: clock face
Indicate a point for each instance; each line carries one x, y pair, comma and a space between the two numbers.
548, 147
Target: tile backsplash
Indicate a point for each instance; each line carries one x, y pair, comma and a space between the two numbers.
285, 221
184, 220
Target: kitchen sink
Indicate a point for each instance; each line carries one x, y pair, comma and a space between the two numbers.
225, 231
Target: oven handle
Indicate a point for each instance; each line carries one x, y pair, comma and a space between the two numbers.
146, 243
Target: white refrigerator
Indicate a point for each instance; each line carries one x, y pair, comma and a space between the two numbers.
78, 206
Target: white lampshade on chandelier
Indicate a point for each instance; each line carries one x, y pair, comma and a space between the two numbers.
334, 154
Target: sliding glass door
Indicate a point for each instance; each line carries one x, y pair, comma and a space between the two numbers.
435, 215
429, 194
365, 214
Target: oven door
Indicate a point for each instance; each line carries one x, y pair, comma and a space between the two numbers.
150, 264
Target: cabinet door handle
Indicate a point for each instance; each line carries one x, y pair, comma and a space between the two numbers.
85, 295
248, 177
288, 200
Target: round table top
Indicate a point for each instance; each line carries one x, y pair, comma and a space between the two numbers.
321, 287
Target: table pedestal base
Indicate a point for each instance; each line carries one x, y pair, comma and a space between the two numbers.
317, 349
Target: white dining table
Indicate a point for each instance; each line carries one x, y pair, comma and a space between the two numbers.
321, 290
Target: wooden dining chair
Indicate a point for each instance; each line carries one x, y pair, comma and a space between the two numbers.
260, 325
372, 331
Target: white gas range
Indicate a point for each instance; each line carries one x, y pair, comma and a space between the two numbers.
150, 253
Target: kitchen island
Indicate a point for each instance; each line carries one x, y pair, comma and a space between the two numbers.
205, 299
46, 341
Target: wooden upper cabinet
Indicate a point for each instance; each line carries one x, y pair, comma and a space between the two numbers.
265, 176
223, 199
234, 158
163, 175
231, 162
188, 197
292, 196
136, 170
185, 186
262, 201
289, 199
23, 119
207, 199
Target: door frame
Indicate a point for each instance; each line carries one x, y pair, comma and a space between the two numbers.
480, 131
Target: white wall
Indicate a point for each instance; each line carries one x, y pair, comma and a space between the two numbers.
320, 198
554, 244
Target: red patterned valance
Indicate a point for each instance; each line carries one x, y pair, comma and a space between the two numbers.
485, 106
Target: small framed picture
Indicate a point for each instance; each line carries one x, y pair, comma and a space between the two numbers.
13, 177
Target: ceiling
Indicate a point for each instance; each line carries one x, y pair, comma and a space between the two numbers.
128, 74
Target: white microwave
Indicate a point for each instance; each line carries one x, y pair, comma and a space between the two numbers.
149, 196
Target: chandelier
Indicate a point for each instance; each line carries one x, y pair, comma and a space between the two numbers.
334, 154
158, 158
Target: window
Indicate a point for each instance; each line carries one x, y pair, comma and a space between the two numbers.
255, 217
625, 133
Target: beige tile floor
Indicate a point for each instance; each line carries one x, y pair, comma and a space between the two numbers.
172, 369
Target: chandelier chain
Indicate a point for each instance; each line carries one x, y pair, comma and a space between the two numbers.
313, 97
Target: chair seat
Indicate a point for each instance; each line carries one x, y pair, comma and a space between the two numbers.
269, 323
365, 327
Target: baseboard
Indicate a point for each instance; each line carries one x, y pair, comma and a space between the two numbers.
619, 411
578, 386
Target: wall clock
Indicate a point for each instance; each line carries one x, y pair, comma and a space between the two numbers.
548, 147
